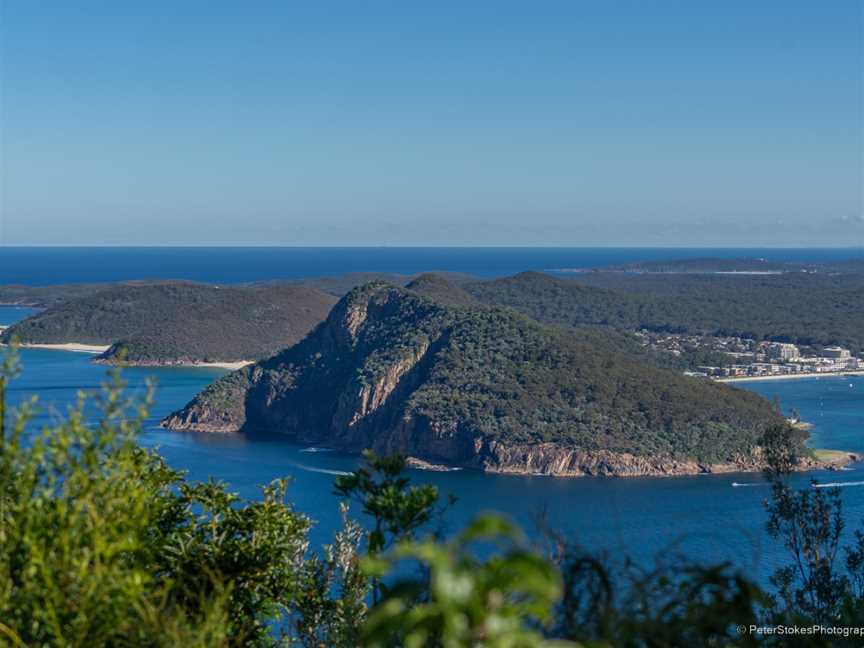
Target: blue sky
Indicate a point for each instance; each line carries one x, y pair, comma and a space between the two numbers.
587, 122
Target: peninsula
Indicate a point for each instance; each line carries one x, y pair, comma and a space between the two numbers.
482, 387
178, 322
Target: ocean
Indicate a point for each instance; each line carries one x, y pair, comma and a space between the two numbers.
708, 518
44, 266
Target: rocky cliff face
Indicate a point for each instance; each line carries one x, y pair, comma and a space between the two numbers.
337, 386
552, 459
483, 388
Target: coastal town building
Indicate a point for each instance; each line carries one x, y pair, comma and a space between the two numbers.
836, 352
736, 357
783, 352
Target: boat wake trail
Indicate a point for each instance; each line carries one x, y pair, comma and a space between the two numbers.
323, 471
838, 484
740, 485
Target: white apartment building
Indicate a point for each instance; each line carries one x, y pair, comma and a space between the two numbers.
836, 352
782, 351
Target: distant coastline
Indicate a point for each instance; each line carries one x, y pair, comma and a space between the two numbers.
824, 374
46, 266
96, 349
66, 346
231, 366
76, 347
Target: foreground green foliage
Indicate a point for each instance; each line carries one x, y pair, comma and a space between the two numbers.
675, 604
824, 581
332, 603
102, 544
398, 510
500, 602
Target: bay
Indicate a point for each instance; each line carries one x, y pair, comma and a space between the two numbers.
708, 518
704, 518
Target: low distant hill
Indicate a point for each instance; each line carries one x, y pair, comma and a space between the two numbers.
339, 285
45, 296
710, 265
812, 309
181, 322
818, 309
442, 289
552, 300
482, 387
716, 265
725, 265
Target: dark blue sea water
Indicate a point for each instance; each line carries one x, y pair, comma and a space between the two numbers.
702, 517
42, 266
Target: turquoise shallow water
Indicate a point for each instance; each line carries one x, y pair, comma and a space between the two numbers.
703, 517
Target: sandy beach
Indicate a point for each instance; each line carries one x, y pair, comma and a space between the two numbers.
69, 346
832, 374
77, 347
232, 366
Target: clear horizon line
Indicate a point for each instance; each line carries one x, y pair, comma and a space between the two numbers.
442, 247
